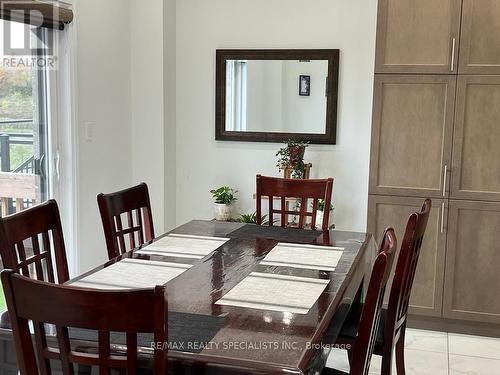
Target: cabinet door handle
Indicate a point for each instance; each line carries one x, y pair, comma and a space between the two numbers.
442, 217
445, 179
453, 46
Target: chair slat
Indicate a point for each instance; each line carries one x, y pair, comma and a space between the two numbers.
65, 350
314, 212
132, 233
284, 218
38, 261
131, 353
120, 234
302, 214
22, 257
104, 353
140, 226
271, 209
50, 267
41, 346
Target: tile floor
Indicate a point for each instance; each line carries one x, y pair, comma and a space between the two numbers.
439, 353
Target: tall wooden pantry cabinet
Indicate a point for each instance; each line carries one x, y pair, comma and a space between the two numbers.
436, 134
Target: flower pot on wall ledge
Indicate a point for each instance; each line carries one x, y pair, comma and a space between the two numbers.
222, 212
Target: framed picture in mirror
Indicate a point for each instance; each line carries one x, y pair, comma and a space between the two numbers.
304, 85
257, 99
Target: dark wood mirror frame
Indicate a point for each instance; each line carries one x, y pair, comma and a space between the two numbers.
332, 55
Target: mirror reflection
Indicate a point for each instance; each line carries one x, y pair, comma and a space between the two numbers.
276, 96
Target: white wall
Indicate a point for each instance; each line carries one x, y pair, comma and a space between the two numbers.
169, 63
148, 151
304, 114
202, 163
102, 96
264, 96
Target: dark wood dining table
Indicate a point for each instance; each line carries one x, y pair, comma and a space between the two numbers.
209, 338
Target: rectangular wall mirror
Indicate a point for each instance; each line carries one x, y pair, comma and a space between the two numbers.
277, 95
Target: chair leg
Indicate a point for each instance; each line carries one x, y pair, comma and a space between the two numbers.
400, 353
386, 361
386, 365
349, 356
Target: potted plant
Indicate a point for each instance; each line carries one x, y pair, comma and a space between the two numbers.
321, 212
252, 219
223, 198
292, 156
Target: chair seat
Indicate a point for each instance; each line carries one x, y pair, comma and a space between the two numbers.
350, 328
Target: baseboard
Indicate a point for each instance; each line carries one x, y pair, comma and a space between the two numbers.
453, 326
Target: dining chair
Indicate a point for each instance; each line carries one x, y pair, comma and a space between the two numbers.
362, 347
391, 332
303, 190
36, 230
130, 312
128, 204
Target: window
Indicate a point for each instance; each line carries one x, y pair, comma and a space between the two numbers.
236, 94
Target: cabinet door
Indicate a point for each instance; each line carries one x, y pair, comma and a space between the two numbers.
383, 212
412, 135
476, 151
480, 40
472, 262
418, 36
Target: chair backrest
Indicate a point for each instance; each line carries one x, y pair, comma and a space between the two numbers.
134, 207
31, 240
132, 312
304, 190
399, 297
372, 308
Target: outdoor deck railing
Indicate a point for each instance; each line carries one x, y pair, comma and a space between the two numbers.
21, 188
17, 184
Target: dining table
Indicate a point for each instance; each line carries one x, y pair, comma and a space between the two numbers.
242, 298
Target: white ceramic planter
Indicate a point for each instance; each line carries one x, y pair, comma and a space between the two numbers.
222, 212
319, 219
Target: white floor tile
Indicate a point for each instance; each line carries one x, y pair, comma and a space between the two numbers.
418, 362
462, 365
338, 360
426, 340
474, 346
427, 354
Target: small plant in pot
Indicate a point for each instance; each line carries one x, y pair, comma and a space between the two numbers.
252, 219
320, 213
292, 156
223, 198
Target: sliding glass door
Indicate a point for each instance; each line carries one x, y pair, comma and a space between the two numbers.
26, 134
24, 119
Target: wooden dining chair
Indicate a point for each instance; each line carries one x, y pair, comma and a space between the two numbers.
131, 312
391, 332
32, 243
134, 206
304, 190
362, 347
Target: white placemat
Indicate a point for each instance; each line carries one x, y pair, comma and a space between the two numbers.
321, 258
132, 274
184, 246
267, 291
